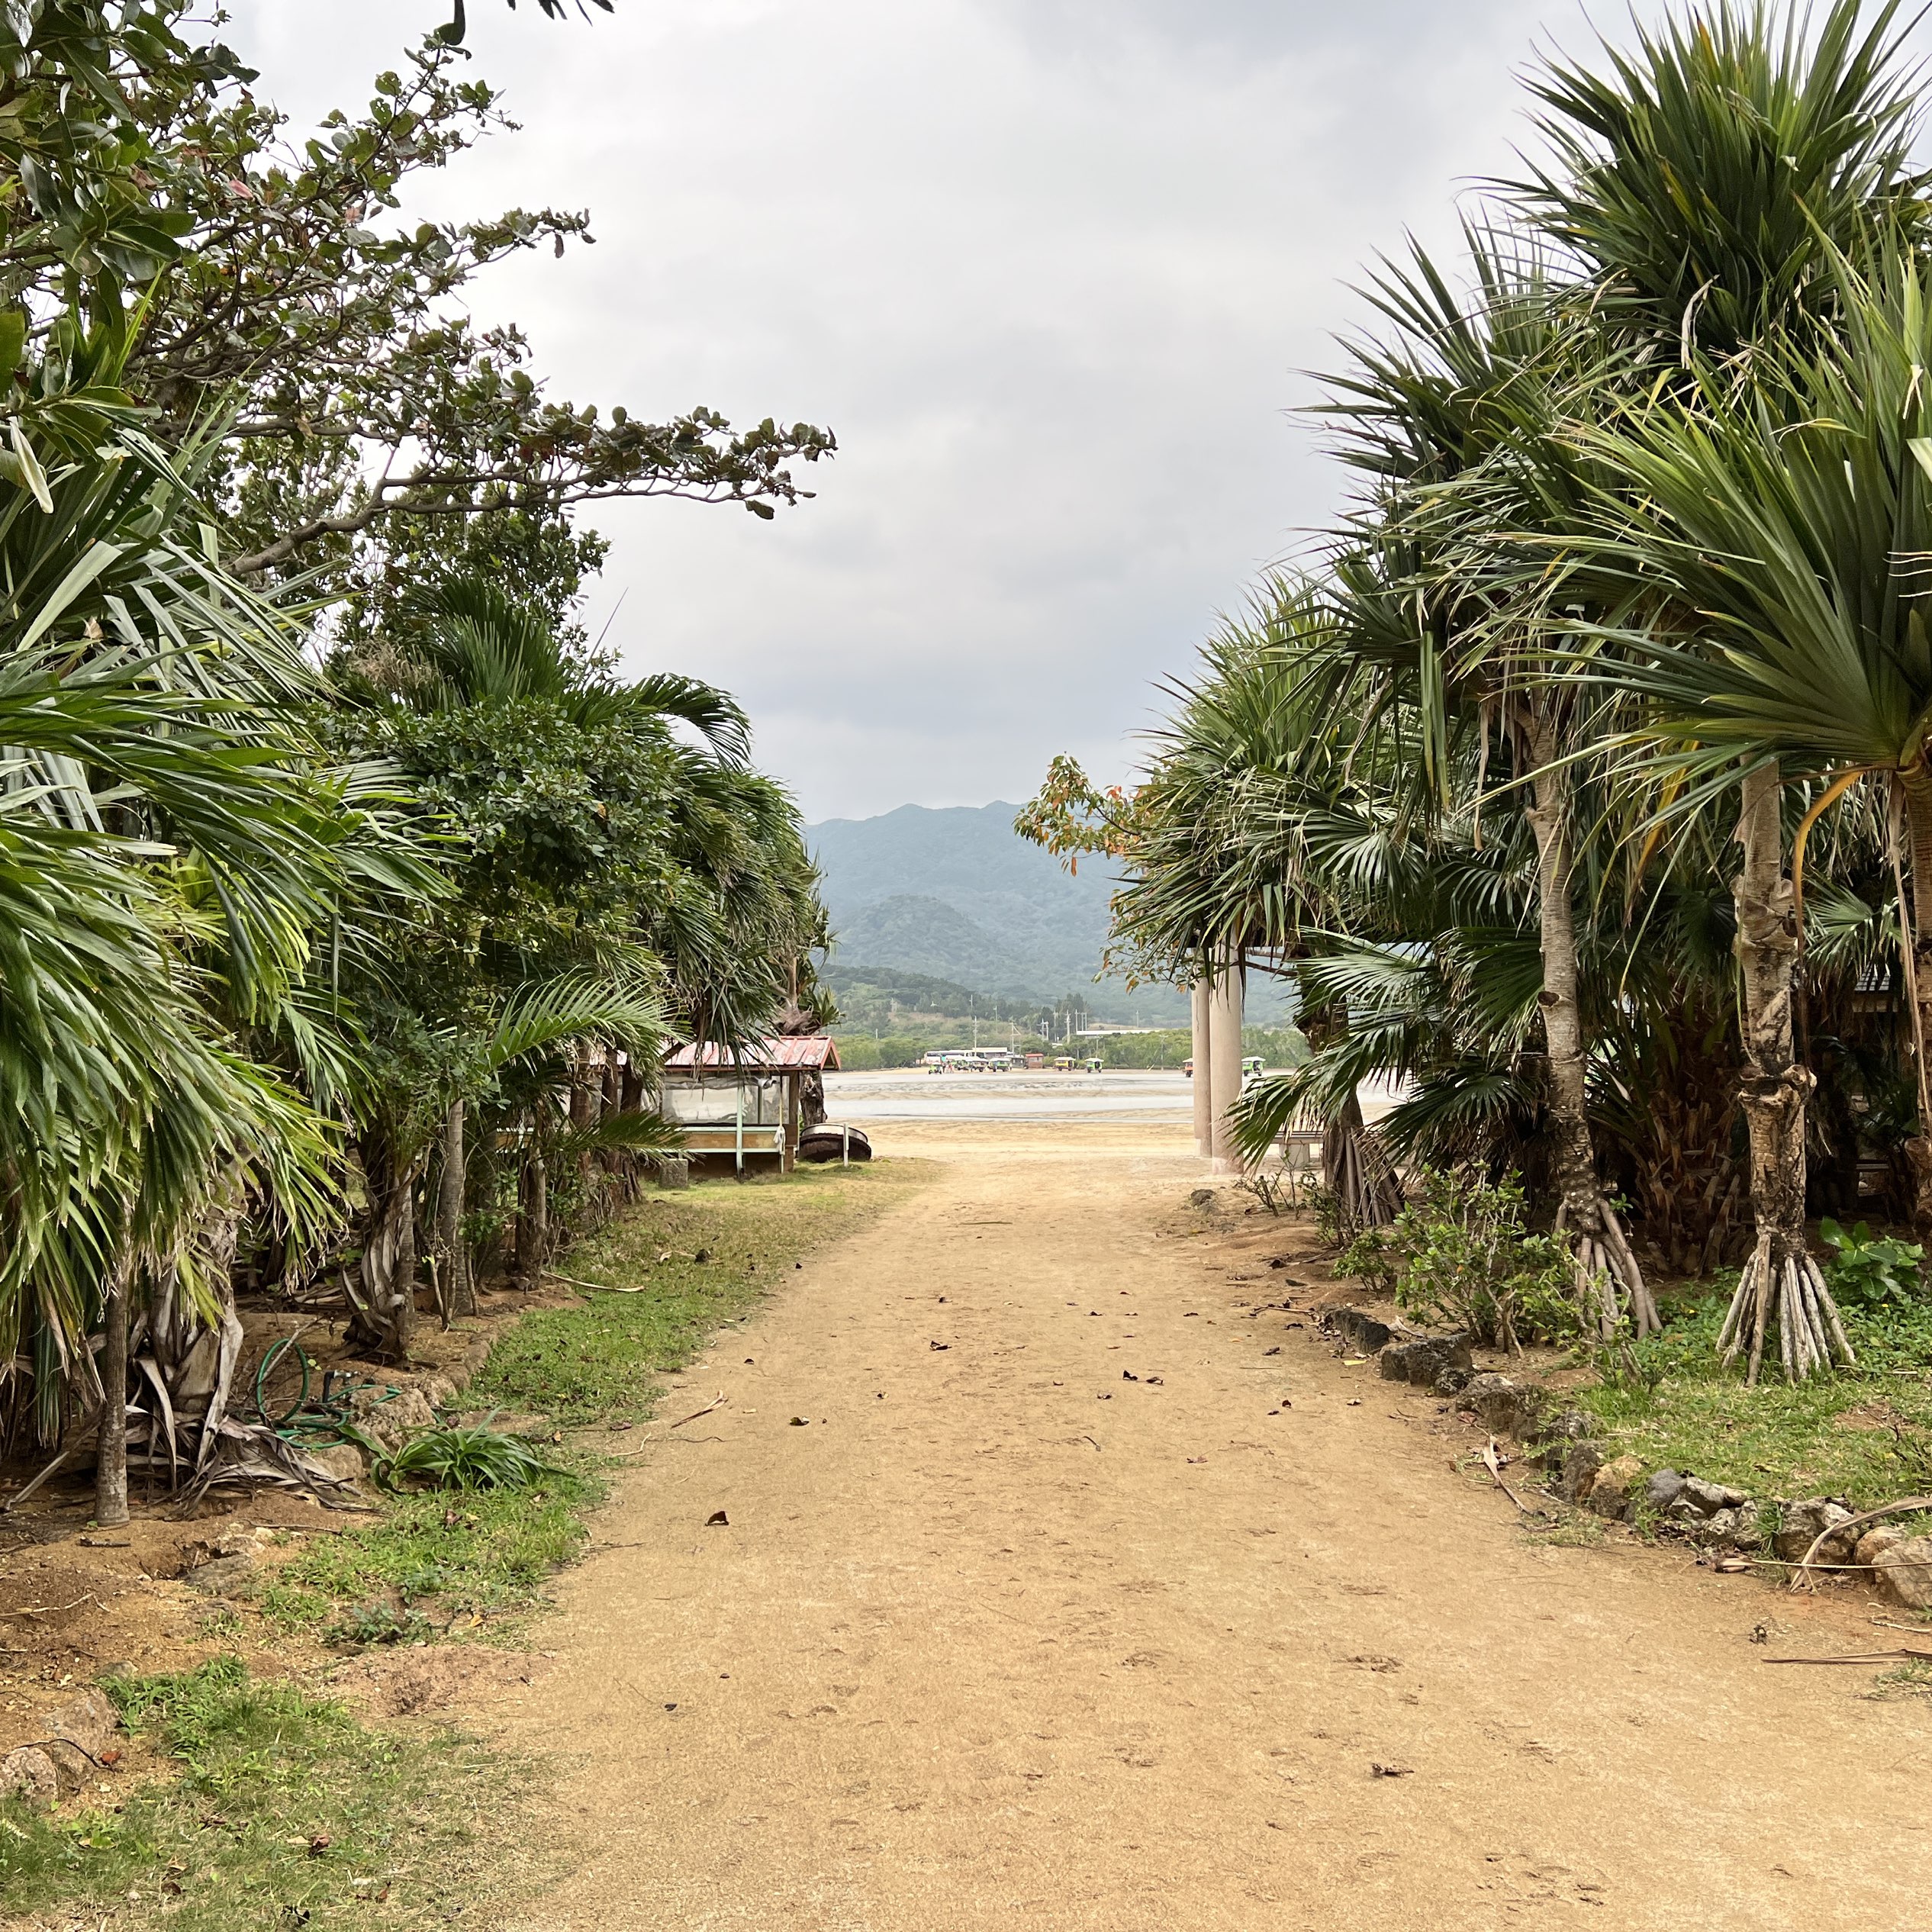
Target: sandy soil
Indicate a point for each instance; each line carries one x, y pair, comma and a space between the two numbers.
997, 1636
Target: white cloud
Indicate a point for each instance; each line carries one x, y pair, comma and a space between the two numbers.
1050, 268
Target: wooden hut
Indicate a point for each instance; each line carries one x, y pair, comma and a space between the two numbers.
748, 1108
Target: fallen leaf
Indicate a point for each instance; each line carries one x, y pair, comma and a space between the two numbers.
798, 1422
1391, 1771
717, 1516
941, 1345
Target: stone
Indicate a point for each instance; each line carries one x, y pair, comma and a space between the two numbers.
674, 1172
1452, 1381
1504, 1407
1663, 1489
1614, 1487
346, 1461
1360, 1332
1905, 1570
1801, 1523
28, 1774
88, 1720
1876, 1542
1573, 1426
1709, 1497
1577, 1472
1719, 1529
387, 1418
226, 1576
1419, 1360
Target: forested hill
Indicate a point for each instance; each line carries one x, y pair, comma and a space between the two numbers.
956, 894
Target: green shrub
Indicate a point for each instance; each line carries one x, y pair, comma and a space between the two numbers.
1460, 1254
476, 1457
1873, 1273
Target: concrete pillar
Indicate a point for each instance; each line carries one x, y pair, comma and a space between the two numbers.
1203, 1074
1224, 1046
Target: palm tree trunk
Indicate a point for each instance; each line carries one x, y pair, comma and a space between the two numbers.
1607, 1269
1917, 788
111, 1452
1780, 1277
532, 1217
450, 1191
384, 1317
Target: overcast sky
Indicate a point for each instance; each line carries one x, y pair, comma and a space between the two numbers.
1050, 268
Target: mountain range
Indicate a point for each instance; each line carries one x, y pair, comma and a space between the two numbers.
956, 893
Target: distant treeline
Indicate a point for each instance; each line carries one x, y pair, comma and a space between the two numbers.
1281, 1047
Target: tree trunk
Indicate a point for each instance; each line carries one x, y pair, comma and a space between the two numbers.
450, 1191
190, 1361
1917, 786
532, 1216
1608, 1274
384, 1316
110, 1453
1780, 1279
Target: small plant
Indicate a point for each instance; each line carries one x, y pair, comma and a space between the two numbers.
475, 1457
1325, 1205
369, 1624
1874, 1274
1374, 1257
1278, 1192
1460, 1254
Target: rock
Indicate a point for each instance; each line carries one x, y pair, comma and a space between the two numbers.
1802, 1523
343, 1460
1573, 1426
1578, 1471
1876, 1542
438, 1389
1505, 1408
1452, 1381
1360, 1332
674, 1172
1663, 1489
88, 1720
1708, 1497
387, 1418
226, 1576
1611, 1493
28, 1774
1719, 1529
1905, 1570
1419, 1360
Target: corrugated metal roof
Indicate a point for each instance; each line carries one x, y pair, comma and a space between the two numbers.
812, 1055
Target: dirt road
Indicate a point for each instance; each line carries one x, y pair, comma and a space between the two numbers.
997, 1636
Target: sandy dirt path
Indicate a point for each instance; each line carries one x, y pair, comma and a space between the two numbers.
998, 1637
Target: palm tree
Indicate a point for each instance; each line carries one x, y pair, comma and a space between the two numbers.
1793, 520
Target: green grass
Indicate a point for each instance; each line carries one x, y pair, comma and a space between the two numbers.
600, 1362
462, 1562
1865, 1433
453, 1557
285, 1812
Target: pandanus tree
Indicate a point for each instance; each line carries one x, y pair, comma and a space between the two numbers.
1707, 186
1436, 418
1788, 526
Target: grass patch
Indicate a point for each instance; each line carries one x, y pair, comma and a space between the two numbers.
451, 1562
1865, 1433
600, 1362
446, 1558
1910, 1679
286, 1812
